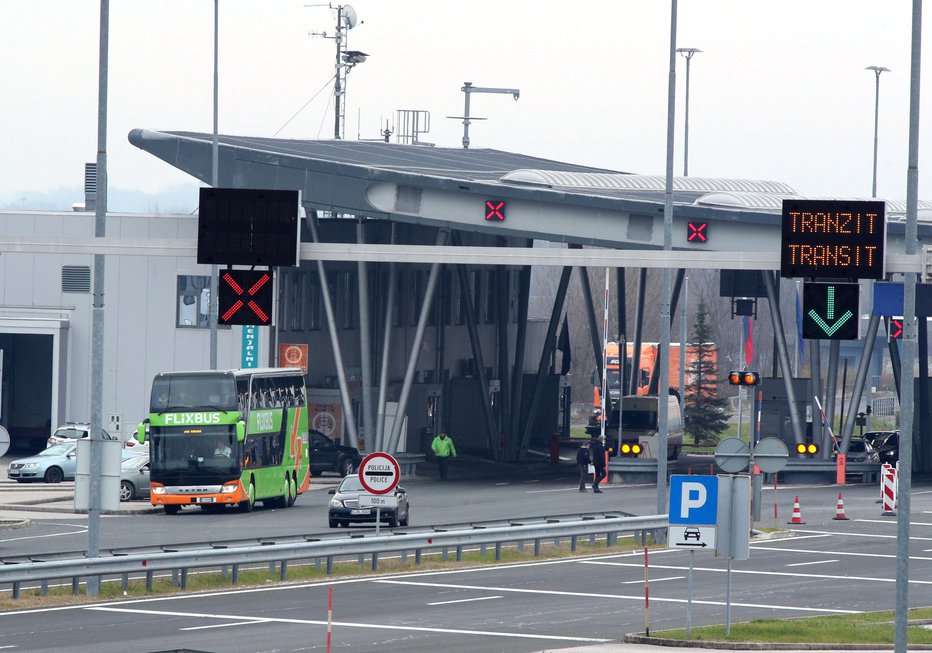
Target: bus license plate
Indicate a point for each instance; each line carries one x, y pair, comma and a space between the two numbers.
360, 511
204, 499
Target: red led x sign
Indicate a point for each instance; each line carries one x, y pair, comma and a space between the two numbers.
495, 210
896, 328
697, 232
245, 297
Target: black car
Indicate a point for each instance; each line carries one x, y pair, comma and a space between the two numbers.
327, 456
344, 506
889, 448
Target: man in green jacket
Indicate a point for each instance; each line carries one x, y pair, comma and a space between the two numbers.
443, 448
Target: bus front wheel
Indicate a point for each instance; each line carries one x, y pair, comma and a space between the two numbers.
250, 502
172, 509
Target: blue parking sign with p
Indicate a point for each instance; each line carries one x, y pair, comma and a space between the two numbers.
693, 500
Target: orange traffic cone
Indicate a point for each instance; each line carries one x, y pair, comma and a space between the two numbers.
840, 509
797, 515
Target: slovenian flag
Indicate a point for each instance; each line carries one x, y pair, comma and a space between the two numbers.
748, 339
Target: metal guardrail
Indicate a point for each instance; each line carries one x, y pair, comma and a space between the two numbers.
16, 573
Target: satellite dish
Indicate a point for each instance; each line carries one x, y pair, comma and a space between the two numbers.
349, 17
4, 441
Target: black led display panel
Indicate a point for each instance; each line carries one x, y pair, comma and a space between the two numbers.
242, 226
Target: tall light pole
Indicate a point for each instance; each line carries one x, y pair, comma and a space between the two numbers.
688, 54
877, 70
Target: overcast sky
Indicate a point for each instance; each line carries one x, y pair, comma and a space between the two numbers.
779, 91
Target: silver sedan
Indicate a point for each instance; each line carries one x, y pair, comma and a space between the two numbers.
134, 478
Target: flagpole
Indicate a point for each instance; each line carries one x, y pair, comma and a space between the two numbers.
621, 360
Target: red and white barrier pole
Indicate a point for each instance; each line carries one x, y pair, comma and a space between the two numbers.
329, 616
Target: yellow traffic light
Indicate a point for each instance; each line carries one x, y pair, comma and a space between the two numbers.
630, 449
809, 448
738, 377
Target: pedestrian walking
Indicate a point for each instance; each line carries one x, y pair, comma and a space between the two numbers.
443, 448
598, 460
583, 463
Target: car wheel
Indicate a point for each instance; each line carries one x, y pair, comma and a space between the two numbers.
172, 509
404, 522
316, 472
334, 523
393, 522
250, 502
54, 475
346, 467
127, 491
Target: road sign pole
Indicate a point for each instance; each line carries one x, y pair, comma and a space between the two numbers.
378, 519
689, 595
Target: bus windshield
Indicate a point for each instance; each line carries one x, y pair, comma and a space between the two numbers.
192, 392
212, 450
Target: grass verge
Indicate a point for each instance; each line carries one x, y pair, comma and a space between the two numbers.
871, 628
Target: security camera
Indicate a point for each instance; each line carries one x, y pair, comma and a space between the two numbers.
516, 94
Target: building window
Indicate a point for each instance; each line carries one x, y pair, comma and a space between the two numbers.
401, 297
313, 303
193, 301
283, 308
296, 298
350, 299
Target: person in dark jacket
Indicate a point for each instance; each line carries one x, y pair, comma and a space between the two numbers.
598, 459
582, 463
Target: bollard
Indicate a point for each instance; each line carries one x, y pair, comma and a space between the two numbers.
148, 582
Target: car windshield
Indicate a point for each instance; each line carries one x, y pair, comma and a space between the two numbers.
57, 450
857, 446
70, 433
351, 484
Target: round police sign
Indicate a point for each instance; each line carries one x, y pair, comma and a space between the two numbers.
379, 473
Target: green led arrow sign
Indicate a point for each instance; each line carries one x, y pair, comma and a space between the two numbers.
830, 310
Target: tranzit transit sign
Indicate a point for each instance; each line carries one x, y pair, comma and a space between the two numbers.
833, 239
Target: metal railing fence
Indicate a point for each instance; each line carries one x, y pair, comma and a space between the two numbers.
180, 562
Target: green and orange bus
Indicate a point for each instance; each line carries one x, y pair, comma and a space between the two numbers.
227, 437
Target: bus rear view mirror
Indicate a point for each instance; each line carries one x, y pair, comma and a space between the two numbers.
240, 431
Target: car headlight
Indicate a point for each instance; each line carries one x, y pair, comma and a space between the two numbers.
30, 465
229, 488
336, 503
157, 489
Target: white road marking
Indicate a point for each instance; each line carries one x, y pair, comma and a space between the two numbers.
481, 598
839, 534
10, 646
652, 580
892, 522
348, 624
235, 623
752, 572
814, 562
603, 596
80, 529
852, 554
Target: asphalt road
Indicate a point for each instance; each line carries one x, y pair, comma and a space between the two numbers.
822, 568
825, 566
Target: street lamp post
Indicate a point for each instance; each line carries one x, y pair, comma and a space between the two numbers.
877, 70
688, 54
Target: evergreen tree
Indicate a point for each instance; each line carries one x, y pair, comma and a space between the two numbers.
705, 408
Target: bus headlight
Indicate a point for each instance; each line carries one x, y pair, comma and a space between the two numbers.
157, 489
229, 488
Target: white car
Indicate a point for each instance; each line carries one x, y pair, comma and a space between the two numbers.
71, 432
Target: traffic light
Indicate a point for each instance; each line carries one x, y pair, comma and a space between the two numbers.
245, 297
630, 449
807, 448
736, 377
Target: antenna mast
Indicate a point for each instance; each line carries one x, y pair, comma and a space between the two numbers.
344, 62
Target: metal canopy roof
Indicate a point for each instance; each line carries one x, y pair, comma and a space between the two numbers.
447, 187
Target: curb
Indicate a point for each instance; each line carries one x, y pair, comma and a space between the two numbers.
636, 638
13, 525
71, 511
